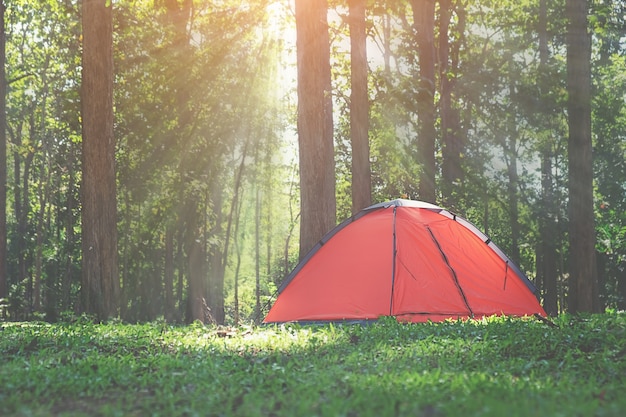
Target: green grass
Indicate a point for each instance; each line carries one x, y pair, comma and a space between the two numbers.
497, 367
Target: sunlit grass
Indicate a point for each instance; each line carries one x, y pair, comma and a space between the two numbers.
492, 367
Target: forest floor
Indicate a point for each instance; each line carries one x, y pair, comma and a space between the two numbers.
495, 367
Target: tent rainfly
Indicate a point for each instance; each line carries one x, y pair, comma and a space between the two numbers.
408, 259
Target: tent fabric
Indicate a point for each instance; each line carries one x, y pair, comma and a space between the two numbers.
408, 259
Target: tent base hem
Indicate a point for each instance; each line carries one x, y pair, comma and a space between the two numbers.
416, 318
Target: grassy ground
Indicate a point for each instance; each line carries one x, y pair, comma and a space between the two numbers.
498, 367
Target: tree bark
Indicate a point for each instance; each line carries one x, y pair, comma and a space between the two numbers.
315, 123
583, 290
424, 21
237, 242
43, 191
359, 108
196, 303
68, 275
451, 139
512, 191
3, 160
196, 258
548, 230
21, 201
509, 148
257, 256
548, 238
218, 256
100, 279
168, 276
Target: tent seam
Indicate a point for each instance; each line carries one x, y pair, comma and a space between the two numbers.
452, 271
393, 262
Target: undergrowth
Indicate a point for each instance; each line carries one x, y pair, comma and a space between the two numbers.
493, 367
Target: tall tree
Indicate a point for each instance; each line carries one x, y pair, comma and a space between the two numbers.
548, 229
100, 279
424, 21
452, 142
315, 123
583, 296
359, 108
3, 159
510, 151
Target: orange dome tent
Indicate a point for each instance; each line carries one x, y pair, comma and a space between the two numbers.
408, 259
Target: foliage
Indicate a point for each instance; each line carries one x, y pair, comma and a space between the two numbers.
610, 128
493, 367
43, 72
191, 113
184, 115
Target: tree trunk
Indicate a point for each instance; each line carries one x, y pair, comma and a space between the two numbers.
21, 202
359, 108
195, 299
218, 256
583, 291
315, 123
509, 148
168, 276
179, 259
548, 237
100, 279
236, 289
4, 282
451, 138
257, 256
547, 219
512, 192
43, 190
424, 20
269, 197
44, 193
196, 261
237, 243
68, 276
